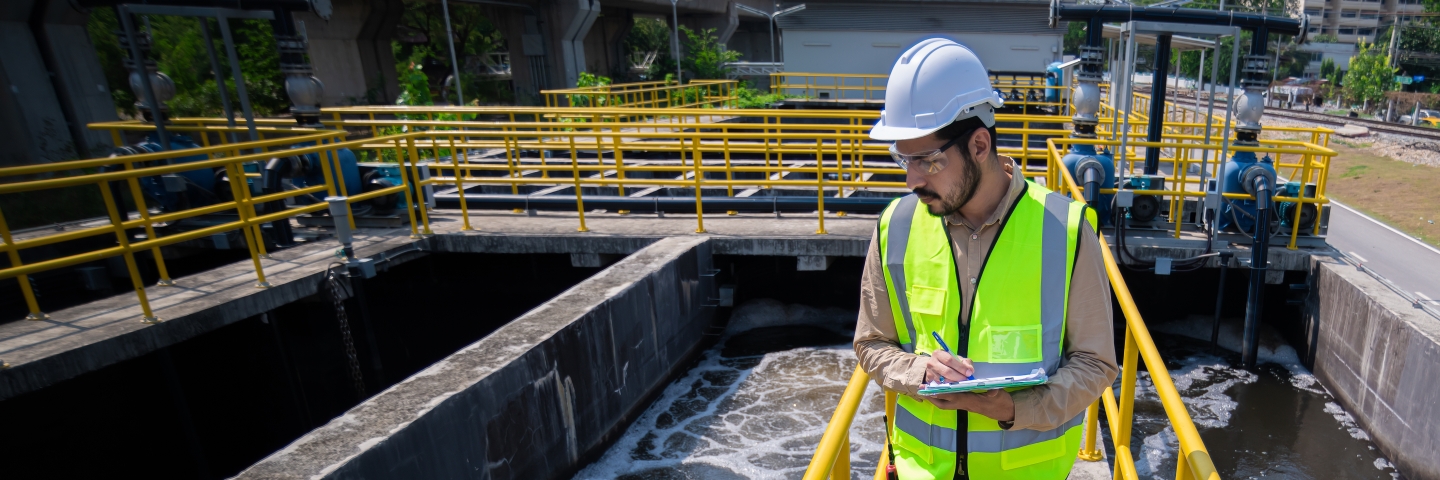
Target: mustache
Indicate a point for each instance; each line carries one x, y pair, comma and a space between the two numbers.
924, 192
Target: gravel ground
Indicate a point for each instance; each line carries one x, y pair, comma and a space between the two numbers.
1399, 147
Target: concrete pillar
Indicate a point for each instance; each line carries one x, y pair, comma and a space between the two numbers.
527, 52
724, 23
351, 52
569, 23
605, 52
32, 124
78, 78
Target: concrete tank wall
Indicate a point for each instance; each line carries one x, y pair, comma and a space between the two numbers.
537, 396
1379, 356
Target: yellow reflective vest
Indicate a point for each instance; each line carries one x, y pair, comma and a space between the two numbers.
1017, 323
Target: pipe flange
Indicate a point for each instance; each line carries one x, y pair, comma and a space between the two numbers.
1247, 178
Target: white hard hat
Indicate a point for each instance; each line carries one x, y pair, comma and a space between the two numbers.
935, 83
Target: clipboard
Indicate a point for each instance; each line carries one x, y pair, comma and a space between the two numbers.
1035, 377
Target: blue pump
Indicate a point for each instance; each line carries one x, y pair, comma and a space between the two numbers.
1080, 155
1053, 78
314, 174
1235, 172
200, 182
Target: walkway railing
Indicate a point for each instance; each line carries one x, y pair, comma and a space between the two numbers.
662, 94
122, 174
870, 88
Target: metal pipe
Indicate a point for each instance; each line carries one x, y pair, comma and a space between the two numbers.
1155, 128
674, 10
1220, 298
1126, 13
1129, 70
1259, 258
157, 115
1229, 114
454, 66
639, 205
240, 90
341, 215
219, 79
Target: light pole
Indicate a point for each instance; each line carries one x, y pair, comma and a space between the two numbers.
454, 66
781, 14
675, 41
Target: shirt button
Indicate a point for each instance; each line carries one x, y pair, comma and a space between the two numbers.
972, 280
974, 236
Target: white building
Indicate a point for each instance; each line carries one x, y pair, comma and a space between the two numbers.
867, 36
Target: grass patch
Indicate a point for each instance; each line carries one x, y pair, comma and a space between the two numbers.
1398, 193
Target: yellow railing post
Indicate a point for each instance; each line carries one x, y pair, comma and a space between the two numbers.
139, 199
419, 185
840, 470
14, 253
117, 223
695, 160
575, 175
820, 185
1090, 449
252, 239
460, 186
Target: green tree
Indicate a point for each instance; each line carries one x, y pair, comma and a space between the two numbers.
705, 57
1074, 38
179, 52
474, 35
1369, 77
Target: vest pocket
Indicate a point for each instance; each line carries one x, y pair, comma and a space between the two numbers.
926, 300
1034, 453
1010, 344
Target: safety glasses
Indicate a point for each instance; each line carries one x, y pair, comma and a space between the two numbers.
929, 163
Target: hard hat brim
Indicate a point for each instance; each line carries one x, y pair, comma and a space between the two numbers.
891, 134
984, 111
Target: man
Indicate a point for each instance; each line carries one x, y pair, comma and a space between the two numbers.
1006, 272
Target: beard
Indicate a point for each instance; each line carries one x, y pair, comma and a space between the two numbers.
961, 195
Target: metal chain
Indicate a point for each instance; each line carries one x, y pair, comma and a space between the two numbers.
333, 282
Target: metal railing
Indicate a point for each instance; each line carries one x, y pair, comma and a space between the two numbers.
1018, 90
831, 459
661, 94
1188, 141
119, 174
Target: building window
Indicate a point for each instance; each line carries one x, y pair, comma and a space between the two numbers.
1349, 14
1314, 30
1370, 15
1367, 31
1347, 31
1312, 11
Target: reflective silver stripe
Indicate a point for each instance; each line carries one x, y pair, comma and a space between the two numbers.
1004, 369
897, 238
1054, 268
996, 441
933, 435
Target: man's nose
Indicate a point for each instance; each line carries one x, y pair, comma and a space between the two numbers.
914, 178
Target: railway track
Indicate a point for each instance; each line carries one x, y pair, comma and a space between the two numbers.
1326, 119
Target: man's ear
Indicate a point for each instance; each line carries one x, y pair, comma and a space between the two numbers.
980, 144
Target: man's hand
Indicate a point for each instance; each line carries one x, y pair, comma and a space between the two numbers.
943, 364
995, 403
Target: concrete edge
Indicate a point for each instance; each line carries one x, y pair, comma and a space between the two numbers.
232, 305
1379, 356
333, 450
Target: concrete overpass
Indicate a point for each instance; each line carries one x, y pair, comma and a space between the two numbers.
52, 83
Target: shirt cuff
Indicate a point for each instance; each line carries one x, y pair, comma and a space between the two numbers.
1026, 409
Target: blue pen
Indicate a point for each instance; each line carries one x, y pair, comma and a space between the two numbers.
946, 348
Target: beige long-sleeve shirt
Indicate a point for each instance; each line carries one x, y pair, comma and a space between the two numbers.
1089, 364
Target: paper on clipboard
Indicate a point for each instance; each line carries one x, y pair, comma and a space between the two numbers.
1036, 377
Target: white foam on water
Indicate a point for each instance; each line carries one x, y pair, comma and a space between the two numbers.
1347, 422
757, 422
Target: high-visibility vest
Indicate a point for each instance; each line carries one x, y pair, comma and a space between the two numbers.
1017, 323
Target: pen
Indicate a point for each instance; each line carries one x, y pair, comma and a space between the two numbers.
946, 348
